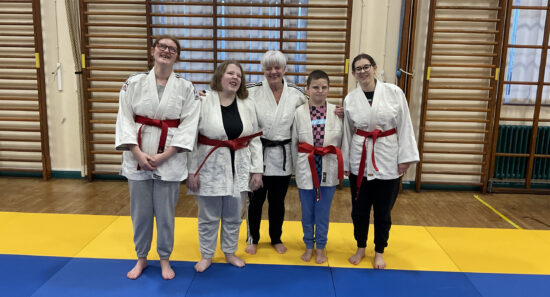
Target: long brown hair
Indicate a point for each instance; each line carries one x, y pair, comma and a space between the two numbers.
216, 81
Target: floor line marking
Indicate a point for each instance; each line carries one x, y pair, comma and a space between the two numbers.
497, 212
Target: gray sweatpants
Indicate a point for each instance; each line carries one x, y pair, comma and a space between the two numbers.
211, 210
153, 199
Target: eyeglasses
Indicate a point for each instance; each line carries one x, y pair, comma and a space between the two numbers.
163, 47
365, 67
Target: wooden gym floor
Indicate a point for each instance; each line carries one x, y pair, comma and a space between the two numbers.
427, 208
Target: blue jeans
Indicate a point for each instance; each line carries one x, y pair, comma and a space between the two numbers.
315, 216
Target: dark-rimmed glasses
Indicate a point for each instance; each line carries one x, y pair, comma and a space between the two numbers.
163, 47
365, 67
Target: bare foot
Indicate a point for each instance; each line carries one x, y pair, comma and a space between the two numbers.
320, 256
166, 270
306, 256
136, 271
203, 264
378, 261
234, 260
357, 257
280, 248
251, 249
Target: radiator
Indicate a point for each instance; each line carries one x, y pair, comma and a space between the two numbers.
515, 139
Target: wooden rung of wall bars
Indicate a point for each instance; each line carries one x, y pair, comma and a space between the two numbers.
20, 169
467, 7
20, 139
106, 152
19, 149
454, 76
460, 162
14, 108
463, 31
434, 130
473, 20
449, 87
464, 42
456, 120
447, 172
453, 152
457, 141
462, 65
19, 129
19, 119
19, 98
29, 160
460, 98
460, 109
457, 54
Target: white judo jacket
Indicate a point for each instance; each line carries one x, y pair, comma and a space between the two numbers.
276, 120
216, 175
139, 96
389, 110
302, 132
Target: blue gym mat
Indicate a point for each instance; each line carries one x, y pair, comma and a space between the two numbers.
57, 276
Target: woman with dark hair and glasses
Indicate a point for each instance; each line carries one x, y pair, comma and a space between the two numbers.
227, 163
157, 122
378, 147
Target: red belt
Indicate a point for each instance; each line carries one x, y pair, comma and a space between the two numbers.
162, 124
235, 144
307, 148
374, 135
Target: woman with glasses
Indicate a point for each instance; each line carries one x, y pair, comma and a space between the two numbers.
227, 163
156, 124
378, 147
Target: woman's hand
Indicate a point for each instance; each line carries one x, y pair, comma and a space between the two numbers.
255, 181
158, 159
142, 158
193, 182
339, 111
402, 168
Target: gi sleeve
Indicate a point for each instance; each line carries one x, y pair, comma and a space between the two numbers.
349, 129
408, 150
125, 130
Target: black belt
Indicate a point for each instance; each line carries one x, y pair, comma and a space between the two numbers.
273, 143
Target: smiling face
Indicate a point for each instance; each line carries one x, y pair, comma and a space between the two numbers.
165, 52
318, 91
231, 79
274, 74
363, 75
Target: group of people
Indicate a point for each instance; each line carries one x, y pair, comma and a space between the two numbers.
240, 143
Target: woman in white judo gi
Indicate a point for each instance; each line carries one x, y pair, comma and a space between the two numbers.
156, 123
378, 147
275, 101
227, 163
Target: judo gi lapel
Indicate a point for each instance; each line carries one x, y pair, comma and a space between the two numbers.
152, 93
215, 122
373, 110
272, 105
164, 103
244, 117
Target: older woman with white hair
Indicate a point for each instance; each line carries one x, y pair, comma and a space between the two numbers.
276, 101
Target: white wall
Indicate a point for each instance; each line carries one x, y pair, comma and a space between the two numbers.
63, 106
